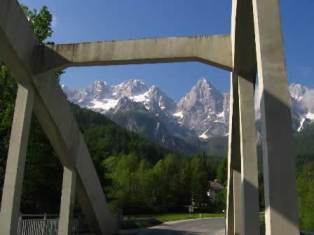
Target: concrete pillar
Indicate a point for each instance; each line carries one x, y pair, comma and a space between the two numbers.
13, 182
249, 168
281, 215
229, 203
237, 203
233, 210
67, 201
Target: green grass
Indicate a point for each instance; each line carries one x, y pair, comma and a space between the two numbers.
142, 221
185, 216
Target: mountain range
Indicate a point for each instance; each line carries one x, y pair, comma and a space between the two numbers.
195, 122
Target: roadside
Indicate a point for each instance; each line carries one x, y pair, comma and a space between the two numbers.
208, 226
143, 221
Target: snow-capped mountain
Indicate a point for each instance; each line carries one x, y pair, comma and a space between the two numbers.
103, 98
201, 114
302, 104
202, 110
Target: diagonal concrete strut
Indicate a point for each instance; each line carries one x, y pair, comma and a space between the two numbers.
53, 113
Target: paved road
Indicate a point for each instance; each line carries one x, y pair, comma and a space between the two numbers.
212, 226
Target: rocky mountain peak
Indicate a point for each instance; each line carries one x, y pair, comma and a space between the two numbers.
99, 89
202, 110
129, 88
297, 91
203, 96
203, 82
126, 105
159, 101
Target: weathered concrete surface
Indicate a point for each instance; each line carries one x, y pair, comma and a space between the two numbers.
278, 151
211, 226
213, 50
14, 174
249, 169
244, 69
67, 201
237, 205
52, 110
73, 152
234, 161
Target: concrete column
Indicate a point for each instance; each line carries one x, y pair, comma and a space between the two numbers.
67, 201
233, 210
13, 182
237, 203
249, 168
230, 203
281, 215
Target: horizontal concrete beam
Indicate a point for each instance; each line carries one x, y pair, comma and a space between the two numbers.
213, 50
17, 44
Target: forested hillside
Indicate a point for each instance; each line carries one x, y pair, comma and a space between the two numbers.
305, 176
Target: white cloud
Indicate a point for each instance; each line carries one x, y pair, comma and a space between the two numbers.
54, 22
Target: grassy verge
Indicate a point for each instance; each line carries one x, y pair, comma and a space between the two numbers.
185, 216
142, 221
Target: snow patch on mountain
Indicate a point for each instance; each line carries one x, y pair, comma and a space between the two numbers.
203, 111
178, 114
103, 105
204, 136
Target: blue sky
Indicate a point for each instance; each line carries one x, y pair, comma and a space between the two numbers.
76, 21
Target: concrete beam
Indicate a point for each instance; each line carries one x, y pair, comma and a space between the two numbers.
244, 69
14, 174
67, 201
213, 50
278, 151
51, 109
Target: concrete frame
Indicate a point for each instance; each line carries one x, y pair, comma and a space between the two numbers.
249, 50
67, 201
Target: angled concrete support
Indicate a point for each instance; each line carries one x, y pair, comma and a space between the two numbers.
237, 202
249, 170
233, 210
242, 196
67, 201
13, 182
52, 110
244, 72
61, 129
278, 152
229, 214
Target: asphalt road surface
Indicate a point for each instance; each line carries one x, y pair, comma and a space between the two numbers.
211, 226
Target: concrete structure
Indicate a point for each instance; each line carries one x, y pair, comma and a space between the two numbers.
13, 183
245, 167
253, 47
67, 201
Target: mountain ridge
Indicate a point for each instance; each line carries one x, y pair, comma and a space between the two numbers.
199, 116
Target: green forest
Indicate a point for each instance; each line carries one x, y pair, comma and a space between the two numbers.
137, 175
